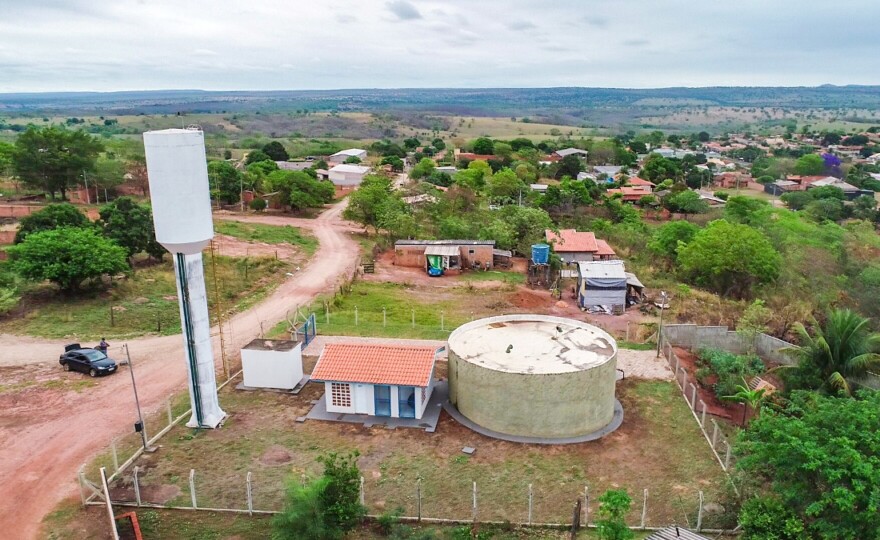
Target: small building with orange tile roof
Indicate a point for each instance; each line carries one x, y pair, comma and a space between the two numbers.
376, 379
573, 246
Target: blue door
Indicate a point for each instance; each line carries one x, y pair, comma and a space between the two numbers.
382, 398
406, 401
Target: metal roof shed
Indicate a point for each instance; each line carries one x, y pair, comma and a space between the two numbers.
601, 283
675, 533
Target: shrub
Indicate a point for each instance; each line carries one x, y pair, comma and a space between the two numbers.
611, 525
258, 204
730, 369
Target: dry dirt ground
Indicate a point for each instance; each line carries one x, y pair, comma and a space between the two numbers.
48, 429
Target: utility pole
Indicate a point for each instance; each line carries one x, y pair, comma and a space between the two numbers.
143, 427
663, 299
86, 180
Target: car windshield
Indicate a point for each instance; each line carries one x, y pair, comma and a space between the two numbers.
94, 356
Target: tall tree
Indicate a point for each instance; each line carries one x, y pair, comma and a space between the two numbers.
484, 145
569, 166
276, 151
54, 159
225, 181
52, 216
809, 165
130, 225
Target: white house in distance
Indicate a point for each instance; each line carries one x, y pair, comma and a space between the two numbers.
347, 174
375, 379
342, 155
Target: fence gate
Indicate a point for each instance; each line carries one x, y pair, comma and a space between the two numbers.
309, 329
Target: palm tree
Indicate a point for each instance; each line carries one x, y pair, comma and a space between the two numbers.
844, 347
748, 397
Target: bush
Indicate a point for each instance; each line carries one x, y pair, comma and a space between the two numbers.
763, 518
730, 369
51, 217
614, 506
258, 204
388, 520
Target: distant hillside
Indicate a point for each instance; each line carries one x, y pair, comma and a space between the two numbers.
478, 102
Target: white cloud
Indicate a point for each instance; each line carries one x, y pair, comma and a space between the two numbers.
51, 45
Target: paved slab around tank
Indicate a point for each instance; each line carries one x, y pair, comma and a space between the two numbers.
615, 423
428, 422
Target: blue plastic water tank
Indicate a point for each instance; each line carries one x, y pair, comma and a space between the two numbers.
540, 253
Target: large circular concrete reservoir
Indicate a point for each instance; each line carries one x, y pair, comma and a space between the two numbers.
535, 376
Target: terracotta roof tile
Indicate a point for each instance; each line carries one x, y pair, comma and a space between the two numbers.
375, 364
570, 240
604, 248
636, 181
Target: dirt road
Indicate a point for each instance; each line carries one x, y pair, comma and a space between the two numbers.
45, 435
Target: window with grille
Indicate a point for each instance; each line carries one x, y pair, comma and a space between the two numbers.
340, 394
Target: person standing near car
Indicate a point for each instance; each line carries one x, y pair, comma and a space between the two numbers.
103, 346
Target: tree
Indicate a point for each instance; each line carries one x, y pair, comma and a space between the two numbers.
842, 348
130, 225
751, 399
54, 159
729, 258
366, 203
865, 207
411, 143
825, 210
569, 166
827, 192
686, 202
658, 168
670, 237
484, 145
703, 136
299, 189
51, 217
528, 226
754, 321
438, 144
614, 505
227, 154
353, 160
809, 165
797, 200
395, 162
303, 513
257, 156
503, 150
766, 518
422, 169
818, 455
638, 147
505, 185
276, 151
137, 172
341, 498
225, 181
740, 209
67, 256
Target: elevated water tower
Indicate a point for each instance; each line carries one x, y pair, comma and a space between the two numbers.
178, 175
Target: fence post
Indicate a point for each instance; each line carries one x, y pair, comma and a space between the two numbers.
384, 318
192, 487
168, 408
700, 514
676, 363
250, 497
327, 313
727, 456
115, 456
355, 315
413, 316
644, 508
714, 433
137, 487
703, 415
419, 500
475, 502
441, 320
109, 504
530, 504
362, 492
693, 396
586, 506
81, 476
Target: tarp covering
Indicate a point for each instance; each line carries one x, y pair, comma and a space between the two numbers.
435, 261
446, 251
605, 283
633, 281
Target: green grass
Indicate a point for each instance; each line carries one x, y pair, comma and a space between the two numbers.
515, 278
144, 303
269, 234
636, 346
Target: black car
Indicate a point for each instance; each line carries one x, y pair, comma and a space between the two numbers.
90, 361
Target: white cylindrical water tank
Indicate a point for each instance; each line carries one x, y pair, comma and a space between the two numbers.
178, 173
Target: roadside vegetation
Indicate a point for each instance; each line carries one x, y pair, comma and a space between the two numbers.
269, 234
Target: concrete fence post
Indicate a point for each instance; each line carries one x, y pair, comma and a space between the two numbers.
355, 315
703, 415
192, 487
168, 409
475, 501
714, 433
727, 456
384, 318
530, 505
586, 506
441, 321
115, 456
363, 498
250, 494
81, 476
412, 314
136, 483
700, 514
109, 504
644, 508
676, 362
419, 500
693, 396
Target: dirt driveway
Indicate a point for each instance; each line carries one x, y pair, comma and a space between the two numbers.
47, 430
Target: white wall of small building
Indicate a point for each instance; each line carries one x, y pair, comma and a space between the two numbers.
363, 399
272, 369
346, 178
341, 158
575, 256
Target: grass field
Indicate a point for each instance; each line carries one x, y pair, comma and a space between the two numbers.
658, 448
269, 234
144, 303
468, 127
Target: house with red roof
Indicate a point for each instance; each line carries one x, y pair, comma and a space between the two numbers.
628, 193
383, 380
573, 246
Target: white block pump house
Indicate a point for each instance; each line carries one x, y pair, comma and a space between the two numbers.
377, 380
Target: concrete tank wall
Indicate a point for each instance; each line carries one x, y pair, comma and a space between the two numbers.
553, 405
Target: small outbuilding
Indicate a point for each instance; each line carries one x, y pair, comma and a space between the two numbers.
272, 363
601, 283
342, 155
376, 379
445, 256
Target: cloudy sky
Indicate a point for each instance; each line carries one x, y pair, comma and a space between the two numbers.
103, 45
